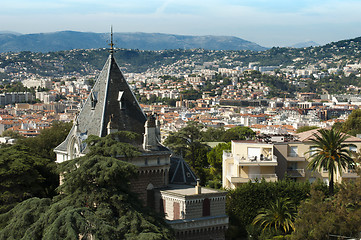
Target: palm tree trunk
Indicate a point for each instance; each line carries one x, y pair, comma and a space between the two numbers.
330, 184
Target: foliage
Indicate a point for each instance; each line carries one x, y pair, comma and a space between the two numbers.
14, 87
23, 175
319, 217
305, 128
278, 216
238, 133
122, 143
28, 169
95, 201
212, 134
43, 144
214, 157
187, 143
330, 152
244, 202
12, 134
352, 125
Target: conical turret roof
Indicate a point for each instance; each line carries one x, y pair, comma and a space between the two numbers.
111, 96
110, 99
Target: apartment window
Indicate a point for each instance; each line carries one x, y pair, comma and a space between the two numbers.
312, 151
293, 151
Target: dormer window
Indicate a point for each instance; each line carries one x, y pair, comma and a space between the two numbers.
121, 100
93, 99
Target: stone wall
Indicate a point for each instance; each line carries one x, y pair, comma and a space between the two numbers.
155, 176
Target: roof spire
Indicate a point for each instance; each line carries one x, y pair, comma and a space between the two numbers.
111, 44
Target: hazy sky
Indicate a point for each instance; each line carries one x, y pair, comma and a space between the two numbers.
266, 22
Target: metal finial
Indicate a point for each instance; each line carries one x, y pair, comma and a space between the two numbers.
111, 44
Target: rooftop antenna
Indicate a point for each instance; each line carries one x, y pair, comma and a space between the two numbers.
111, 44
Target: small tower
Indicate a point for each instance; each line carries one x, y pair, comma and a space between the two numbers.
157, 130
112, 127
150, 141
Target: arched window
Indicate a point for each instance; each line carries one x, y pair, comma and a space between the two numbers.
150, 195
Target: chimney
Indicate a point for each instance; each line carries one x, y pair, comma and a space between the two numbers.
198, 187
150, 141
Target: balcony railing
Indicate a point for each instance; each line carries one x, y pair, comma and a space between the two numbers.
256, 159
250, 160
261, 176
253, 178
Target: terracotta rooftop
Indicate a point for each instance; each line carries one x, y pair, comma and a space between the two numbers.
308, 135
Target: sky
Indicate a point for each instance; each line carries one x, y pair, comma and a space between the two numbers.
265, 22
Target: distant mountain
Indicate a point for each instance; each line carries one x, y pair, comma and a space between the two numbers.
305, 44
67, 40
9, 32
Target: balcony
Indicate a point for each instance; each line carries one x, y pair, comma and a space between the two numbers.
294, 157
250, 161
296, 173
253, 178
256, 161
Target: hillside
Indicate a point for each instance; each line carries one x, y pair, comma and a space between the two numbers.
60, 63
68, 40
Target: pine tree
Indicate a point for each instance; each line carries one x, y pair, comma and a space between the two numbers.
95, 201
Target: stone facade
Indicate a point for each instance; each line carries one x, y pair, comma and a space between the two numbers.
194, 213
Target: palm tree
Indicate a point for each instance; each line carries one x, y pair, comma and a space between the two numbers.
330, 152
279, 216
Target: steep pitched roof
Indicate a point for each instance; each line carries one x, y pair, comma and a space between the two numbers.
180, 172
110, 99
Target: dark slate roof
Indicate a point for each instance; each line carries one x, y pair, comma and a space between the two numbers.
180, 172
104, 102
110, 98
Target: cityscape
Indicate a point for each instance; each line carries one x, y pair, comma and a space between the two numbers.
188, 120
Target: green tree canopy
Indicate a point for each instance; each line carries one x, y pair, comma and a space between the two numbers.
320, 216
330, 152
28, 169
12, 134
244, 202
305, 128
24, 175
95, 202
238, 133
352, 125
44, 144
215, 158
187, 142
278, 216
213, 134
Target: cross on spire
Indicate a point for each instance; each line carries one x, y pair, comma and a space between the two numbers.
111, 44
